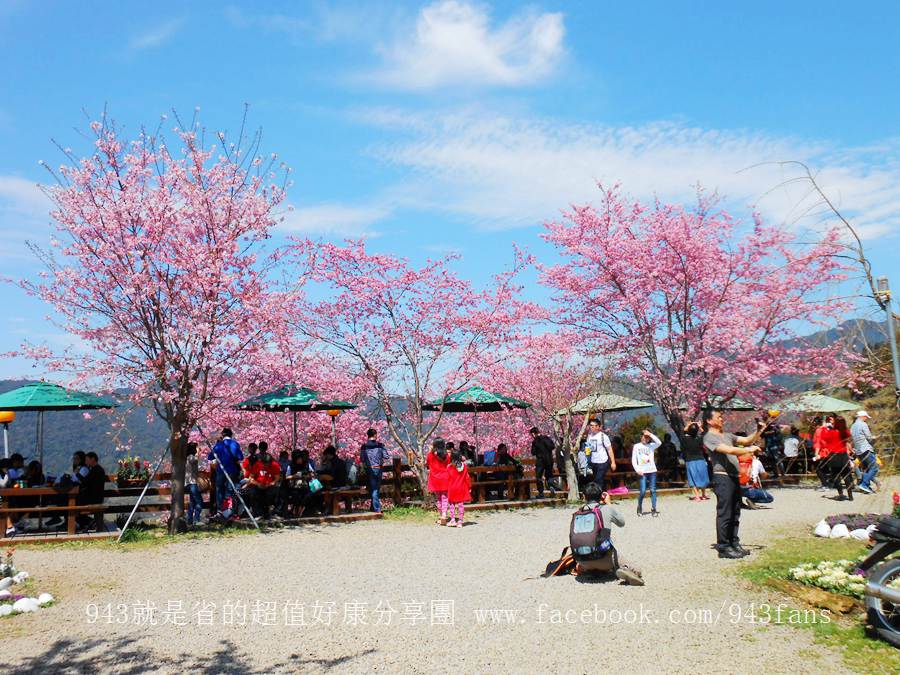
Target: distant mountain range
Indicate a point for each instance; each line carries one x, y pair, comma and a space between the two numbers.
66, 432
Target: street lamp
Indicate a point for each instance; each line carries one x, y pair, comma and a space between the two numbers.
884, 294
333, 414
6, 416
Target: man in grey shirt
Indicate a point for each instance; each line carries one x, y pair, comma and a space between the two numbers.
724, 450
863, 450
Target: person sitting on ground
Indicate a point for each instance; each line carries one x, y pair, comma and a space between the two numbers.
91, 491
250, 460
334, 466
265, 477
611, 560
753, 490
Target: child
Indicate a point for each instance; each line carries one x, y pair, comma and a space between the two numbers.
644, 464
195, 505
458, 487
612, 561
437, 476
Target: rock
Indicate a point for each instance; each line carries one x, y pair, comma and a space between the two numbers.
5, 594
20, 577
26, 605
839, 531
822, 529
44, 599
6, 609
6, 582
862, 535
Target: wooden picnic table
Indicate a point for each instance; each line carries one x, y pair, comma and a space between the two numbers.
16, 493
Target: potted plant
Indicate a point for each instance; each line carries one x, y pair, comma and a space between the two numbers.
132, 472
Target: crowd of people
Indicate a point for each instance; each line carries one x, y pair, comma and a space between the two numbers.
87, 476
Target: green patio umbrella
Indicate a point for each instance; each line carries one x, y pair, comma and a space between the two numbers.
816, 402
43, 396
603, 402
735, 403
475, 400
292, 398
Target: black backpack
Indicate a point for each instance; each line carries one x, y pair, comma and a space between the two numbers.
588, 538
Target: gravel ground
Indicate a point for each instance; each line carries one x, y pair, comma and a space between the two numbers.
397, 578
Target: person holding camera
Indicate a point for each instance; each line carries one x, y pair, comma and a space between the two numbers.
725, 449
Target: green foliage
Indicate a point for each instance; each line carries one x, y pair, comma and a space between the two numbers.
631, 430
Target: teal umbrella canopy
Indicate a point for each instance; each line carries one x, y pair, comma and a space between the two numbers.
42, 396
474, 400
717, 403
292, 398
816, 402
603, 402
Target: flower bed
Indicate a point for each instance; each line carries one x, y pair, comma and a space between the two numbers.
835, 576
854, 521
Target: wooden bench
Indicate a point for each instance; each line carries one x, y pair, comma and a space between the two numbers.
70, 510
391, 487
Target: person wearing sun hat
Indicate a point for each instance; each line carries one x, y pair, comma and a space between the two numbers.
863, 450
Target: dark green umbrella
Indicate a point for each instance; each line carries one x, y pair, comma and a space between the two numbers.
294, 399
475, 400
43, 396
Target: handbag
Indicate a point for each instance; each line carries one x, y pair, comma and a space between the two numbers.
315, 485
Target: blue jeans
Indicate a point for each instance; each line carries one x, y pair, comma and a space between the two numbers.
645, 479
223, 490
757, 495
195, 505
373, 480
869, 466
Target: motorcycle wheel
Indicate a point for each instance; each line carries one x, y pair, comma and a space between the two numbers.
884, 616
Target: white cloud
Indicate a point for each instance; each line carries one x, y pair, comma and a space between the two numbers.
454, 43
334, 219
156, 36
24, 215
503, 171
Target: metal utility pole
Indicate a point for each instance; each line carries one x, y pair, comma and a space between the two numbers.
884, 293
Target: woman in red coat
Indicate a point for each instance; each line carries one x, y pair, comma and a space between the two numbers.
835, 440
459, 487
437, 476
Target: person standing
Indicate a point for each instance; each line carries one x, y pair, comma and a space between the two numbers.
724, 450
542, 448
438, 478
864, 451
458, 488
191, 468
820, 452
644, 464
226, 456
599, 449
836, 440
372, 456
695, 462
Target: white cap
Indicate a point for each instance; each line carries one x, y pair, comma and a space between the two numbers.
863, 413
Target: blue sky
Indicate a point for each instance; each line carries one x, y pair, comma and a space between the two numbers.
456, 126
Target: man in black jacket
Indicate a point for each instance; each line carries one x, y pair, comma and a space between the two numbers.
542, 448
91, 492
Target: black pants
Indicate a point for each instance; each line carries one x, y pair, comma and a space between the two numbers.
839, 471
728, 510
543, 472
262, 500
600, 470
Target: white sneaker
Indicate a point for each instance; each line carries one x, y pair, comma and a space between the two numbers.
11, 532
862, 488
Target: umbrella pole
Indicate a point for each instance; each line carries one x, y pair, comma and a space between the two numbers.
6, 440
41, 435
475, 428
333, 431
294, 433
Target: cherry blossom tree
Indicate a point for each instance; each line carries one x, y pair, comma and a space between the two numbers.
159, 268
691, 303
416, 334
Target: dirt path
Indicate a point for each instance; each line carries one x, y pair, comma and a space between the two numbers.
379, 597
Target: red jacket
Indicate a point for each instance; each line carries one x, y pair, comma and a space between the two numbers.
459, 484
437, 472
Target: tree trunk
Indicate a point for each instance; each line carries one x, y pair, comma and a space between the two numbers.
178, 441
571, 472
421, 471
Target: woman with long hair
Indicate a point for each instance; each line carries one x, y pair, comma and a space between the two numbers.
695, 462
